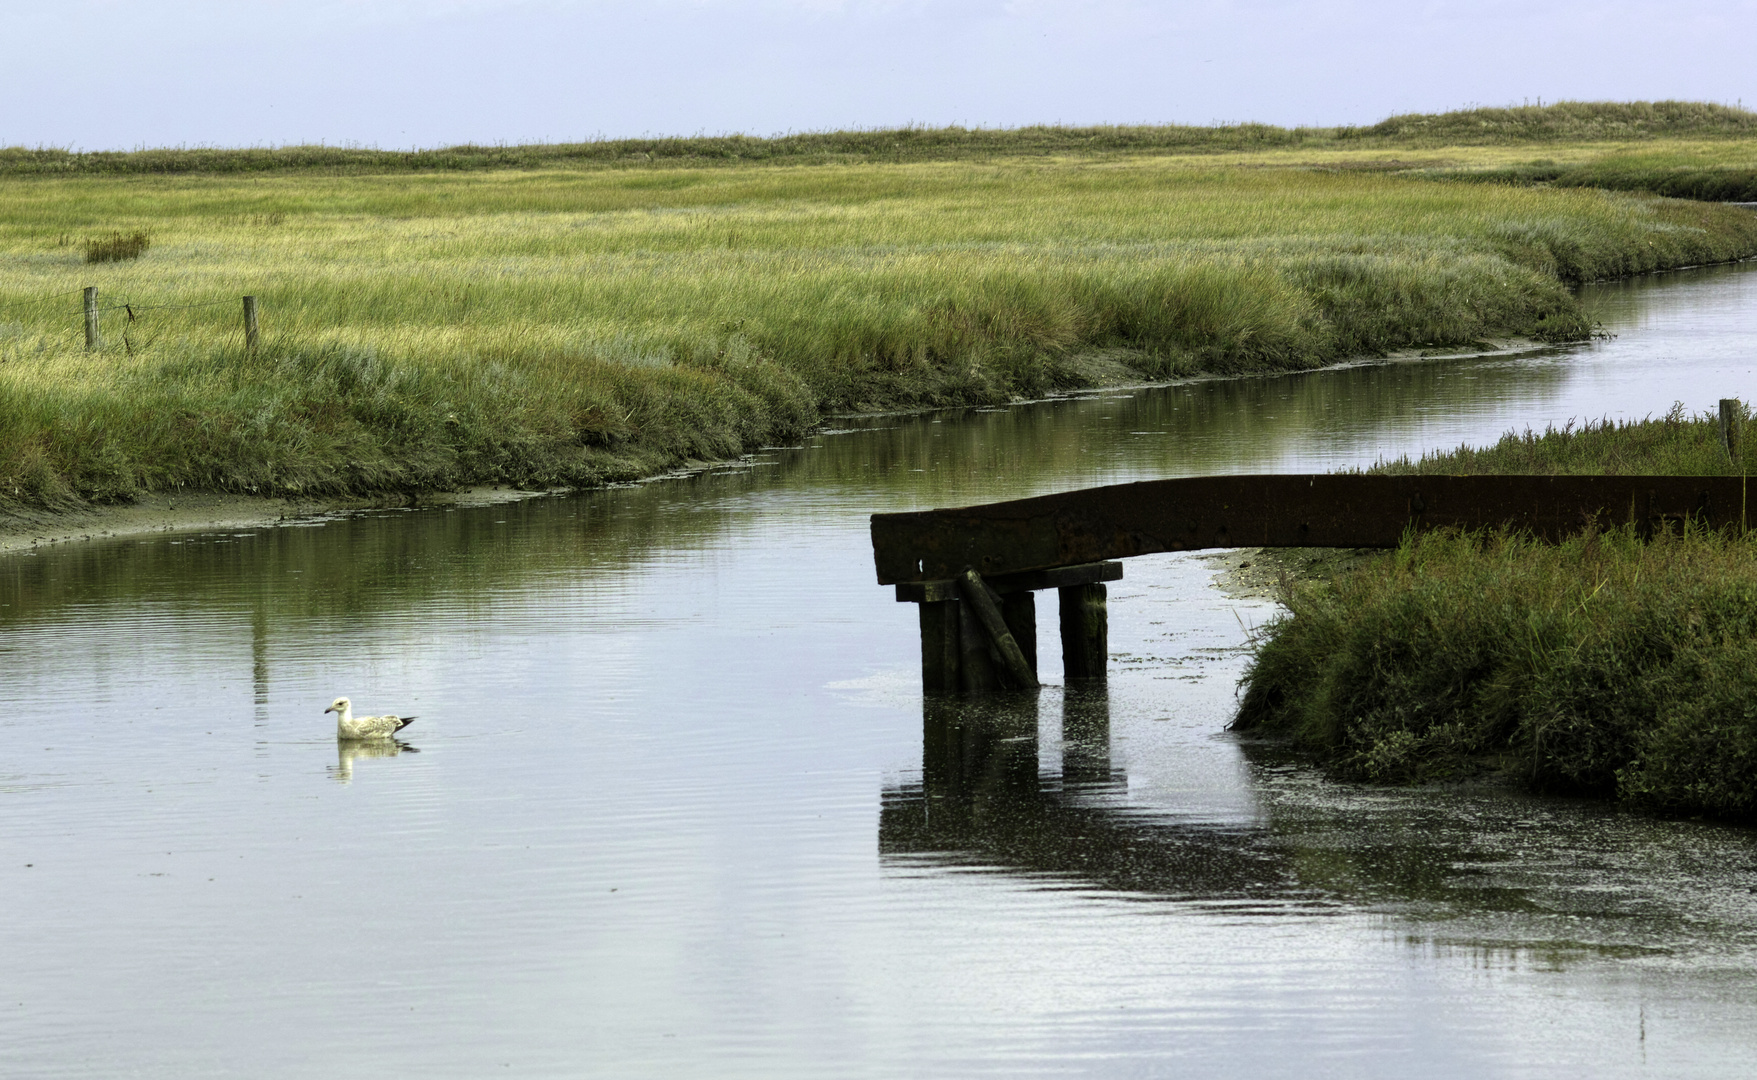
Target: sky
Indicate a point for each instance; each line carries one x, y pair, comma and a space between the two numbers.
104, 74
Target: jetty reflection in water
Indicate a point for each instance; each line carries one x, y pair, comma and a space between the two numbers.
1555, 880
982, 801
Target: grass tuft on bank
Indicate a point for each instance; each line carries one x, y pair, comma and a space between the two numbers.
1607, 665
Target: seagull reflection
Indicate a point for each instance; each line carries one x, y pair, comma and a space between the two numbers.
346, 752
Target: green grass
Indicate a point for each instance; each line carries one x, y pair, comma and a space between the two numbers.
1605, 666
1678, 149
1563, 122
572, 326
1569, 121
1675, 444
1725, 172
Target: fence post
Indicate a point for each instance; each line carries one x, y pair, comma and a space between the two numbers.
92, 340
250, 331
1730, 415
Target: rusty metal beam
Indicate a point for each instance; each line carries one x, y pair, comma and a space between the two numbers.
1319, 510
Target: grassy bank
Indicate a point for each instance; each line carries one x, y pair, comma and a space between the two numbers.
1606, 665
1573, 123
1724, 172
447, 327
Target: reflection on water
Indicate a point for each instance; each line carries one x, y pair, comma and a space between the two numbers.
1541, 877
348, 752
680, 808
982, 802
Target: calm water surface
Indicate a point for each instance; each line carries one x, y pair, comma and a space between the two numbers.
674, 805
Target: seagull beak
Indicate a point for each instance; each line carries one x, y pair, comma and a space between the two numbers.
332, 708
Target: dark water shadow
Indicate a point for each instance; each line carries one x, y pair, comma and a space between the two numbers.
983, 802
1480, 867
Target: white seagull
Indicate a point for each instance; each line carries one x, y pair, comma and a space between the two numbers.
349, 729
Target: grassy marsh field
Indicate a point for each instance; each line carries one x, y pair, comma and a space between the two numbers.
1608, 665
435, 327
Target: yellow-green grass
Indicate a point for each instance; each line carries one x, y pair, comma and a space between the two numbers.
1565, 122
1607, 665
574, 326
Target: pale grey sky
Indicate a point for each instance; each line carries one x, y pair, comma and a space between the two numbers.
105, 74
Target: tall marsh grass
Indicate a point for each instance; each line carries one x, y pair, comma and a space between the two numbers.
574, 327
1562, 122
1606, 665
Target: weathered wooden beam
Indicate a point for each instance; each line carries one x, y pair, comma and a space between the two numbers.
977, 599
1320, 510
928, 592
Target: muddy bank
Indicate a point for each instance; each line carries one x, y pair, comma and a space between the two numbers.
26, 530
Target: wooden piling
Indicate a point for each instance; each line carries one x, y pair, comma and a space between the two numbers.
958, 652
977, 671
976, 596
939, 647
1019, 612
92, 338
1730, 415
1085, 622
250, 327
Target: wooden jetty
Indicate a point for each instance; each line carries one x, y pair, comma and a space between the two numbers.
975, 571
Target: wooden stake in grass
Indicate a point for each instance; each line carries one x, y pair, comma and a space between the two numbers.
92, 340
250, 330
1729, 426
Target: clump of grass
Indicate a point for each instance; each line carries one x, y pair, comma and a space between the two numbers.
1605, 666
117, 246
1568, 121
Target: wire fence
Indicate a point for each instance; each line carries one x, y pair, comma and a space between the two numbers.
134, 309
92, 311
38, 300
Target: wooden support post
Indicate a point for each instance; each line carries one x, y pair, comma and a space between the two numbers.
1730, 415
939, 647
1085, 631
92, 339
976, 596
976, 667
250, 328
1019, 611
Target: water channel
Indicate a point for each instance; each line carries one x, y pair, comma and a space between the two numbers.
669, 809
